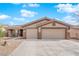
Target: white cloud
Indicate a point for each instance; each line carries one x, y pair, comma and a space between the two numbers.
4, 17
71, 20
30, 5
18, 19
33, 5
69, 8
27, 13
16, 3
73, 13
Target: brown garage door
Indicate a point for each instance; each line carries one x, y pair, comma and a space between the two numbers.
53, 33
31, 33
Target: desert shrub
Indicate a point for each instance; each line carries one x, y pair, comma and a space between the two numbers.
2, 32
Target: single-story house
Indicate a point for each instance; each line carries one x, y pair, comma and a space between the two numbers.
43, 28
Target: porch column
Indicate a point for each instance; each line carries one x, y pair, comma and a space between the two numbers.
9, 33
39, 33
24, 33
16, 33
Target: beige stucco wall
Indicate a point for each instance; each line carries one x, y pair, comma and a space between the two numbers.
48, 25
37, 24
74, 33
60, 25
51, 25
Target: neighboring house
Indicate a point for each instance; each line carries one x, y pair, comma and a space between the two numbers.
44, 28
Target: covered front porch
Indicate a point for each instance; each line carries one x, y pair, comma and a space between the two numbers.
15, 32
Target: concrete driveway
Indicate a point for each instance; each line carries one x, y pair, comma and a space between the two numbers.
57, 47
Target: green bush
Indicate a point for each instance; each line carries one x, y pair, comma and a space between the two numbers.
2, 33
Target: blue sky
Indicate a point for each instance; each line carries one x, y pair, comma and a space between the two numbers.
21, 13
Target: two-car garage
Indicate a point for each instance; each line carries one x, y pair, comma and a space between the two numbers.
46, 29
46, 33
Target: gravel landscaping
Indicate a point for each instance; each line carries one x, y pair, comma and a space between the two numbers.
9, 47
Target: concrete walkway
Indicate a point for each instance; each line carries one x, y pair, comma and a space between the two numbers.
47, 48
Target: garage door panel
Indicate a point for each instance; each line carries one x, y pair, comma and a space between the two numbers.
53, 33
31, 33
